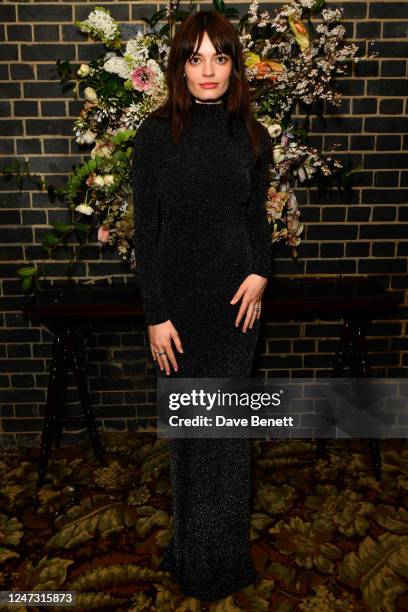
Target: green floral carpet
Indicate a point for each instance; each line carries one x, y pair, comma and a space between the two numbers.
325, 534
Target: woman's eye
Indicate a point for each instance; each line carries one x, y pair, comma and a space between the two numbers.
219, 57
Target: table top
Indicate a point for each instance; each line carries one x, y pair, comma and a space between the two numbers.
283, 298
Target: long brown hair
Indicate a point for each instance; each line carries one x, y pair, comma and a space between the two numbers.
179, 102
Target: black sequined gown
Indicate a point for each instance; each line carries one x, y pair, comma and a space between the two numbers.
200, 229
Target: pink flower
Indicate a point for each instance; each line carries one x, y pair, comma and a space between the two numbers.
103, 234
143, 78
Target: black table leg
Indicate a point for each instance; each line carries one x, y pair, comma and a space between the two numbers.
88, 416
360, 369
51, 407
61, 391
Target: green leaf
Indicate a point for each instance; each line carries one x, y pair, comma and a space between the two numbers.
51, 239
27, 281
62, 227
81, 227
27, 271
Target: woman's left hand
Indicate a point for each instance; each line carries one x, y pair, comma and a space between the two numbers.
251, 291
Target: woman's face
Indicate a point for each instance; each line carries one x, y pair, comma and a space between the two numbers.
205, 67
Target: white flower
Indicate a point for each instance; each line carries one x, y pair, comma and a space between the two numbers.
85, 209
98, 180
88, 137
274, 130
100, 23
117, 65
108, 179
278, 154
90, 94
83, 70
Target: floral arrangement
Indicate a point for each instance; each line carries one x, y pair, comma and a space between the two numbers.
288, 60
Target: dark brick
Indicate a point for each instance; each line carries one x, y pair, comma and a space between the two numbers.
358, 213
368, 29
25, 108
388, 87
15, 200
11, 127
391, 160
375, 266
384, 196
384, 213
8, 52
53, 164
7, 13
49, 33
391, 107
362, 143
22, 72
388, 142
383, 249
28, 145
20, 234
88, 52
10, 217
11, 90
337, 232
53, 109
44, 52
332, 250
56, 145
337, 124
388, 10
392, 49
49, 126
384, 231
22, 424
366, 68
19, 32
395, 29
39, 90
357, 249
70, 33
334, 213
5, 109
335, 139
6, 146
364, 106
118, 12
393, 68
45, 12
386, 179
34, 217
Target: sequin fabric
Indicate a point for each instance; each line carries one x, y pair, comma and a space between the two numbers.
200, 230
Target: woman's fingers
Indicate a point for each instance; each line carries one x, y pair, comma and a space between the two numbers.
177, 341
254, 315
160, 337
249, 315
241, 311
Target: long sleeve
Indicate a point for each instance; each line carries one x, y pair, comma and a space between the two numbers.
146, 223
257, 221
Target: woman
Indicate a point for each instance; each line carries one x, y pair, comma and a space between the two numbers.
203, 258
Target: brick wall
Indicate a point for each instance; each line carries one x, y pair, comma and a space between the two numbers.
366, 237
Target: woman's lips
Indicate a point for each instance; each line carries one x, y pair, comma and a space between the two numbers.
208, 85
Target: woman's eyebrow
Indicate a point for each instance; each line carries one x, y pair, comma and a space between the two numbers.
220, 53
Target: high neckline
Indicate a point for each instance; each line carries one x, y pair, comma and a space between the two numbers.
207, 109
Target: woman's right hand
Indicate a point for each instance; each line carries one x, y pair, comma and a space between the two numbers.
160, 337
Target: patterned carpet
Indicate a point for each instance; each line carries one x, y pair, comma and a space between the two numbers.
325, 534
